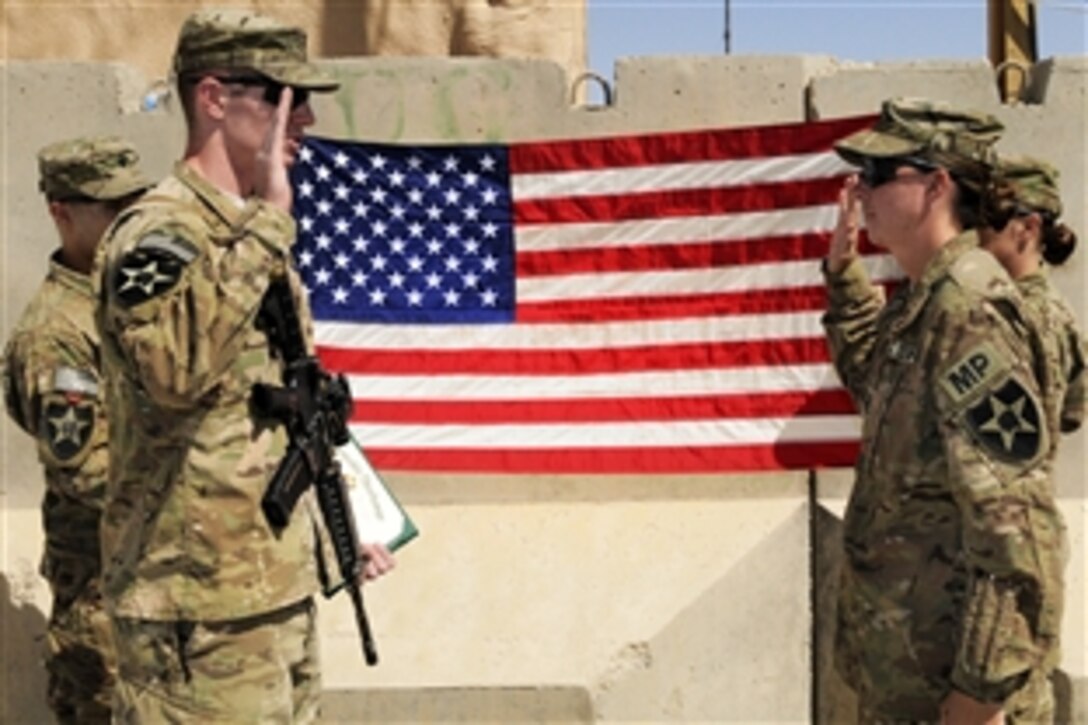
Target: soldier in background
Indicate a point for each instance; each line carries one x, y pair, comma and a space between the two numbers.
53, 391
1022, 230
213, 609
951, 591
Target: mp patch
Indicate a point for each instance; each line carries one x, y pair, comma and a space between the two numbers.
1007, 422
973, 374
152, 268
66, 426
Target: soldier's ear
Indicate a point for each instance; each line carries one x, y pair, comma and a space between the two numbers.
1033, 223
1029, 233
210, 98
940, 182
60, 212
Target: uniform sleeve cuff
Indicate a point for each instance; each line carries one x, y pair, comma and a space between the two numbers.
988, 692
851, 282
851, 270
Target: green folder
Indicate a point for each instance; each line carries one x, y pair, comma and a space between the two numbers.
379, 517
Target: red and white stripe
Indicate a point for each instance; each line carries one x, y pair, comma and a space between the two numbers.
669, 298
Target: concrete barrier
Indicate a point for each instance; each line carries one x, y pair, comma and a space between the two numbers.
554, 599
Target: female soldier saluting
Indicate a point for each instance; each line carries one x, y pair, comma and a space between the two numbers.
949, 603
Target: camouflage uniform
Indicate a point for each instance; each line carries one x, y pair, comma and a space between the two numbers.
1064, 353
953, 545
212, 608
1034, 185
52, 390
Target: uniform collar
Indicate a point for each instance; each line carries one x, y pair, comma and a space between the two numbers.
915, 299
955, 248
68, 277
224, 205
1034, 281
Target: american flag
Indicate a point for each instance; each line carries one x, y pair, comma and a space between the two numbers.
637, 304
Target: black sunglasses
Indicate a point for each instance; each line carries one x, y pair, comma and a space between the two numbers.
876, 172
273, 91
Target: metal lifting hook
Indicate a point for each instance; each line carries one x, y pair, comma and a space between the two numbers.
606, 88
1025, 72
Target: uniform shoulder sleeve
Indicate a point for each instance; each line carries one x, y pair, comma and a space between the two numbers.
991, 419
52, 391
984, 364
1075, 402
1072, 363
979, 274
148, 256
180, 294
996, 400
20, 385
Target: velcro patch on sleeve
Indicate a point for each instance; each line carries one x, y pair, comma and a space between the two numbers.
1001, 413
72, 380
973, 374
153, 267
1008, 423
172, 245
65, 428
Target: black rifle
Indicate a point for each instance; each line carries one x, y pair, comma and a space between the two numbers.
314, 407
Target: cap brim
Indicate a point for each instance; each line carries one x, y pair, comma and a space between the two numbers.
868, 143
301, 75
116, 188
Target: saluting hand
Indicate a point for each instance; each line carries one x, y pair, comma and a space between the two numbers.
844, 240
270, 179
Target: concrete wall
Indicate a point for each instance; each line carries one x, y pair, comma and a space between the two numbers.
143, 34
1054, 126
554, 599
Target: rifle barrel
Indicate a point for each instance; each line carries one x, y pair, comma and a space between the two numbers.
370, 651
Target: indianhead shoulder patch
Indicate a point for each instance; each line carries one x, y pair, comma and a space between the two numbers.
66, 423
1008, 422
1001, 414
154, 266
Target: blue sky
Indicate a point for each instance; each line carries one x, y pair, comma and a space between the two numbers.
864, 30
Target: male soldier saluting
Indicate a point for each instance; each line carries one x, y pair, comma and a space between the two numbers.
52, 389
950, 598
212, 608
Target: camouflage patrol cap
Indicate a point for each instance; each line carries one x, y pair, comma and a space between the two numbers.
956, 139
1034, 183
232, 39
101, 169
